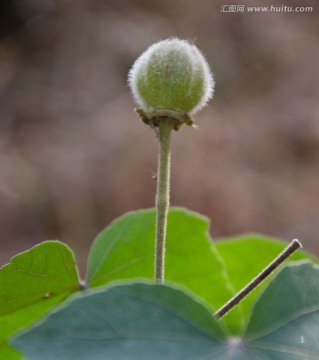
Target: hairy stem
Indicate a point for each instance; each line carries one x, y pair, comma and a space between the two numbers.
288, 251
162, 197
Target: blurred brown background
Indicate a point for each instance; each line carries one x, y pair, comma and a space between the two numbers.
73, 155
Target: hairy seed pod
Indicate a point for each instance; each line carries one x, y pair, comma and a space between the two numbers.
171, 78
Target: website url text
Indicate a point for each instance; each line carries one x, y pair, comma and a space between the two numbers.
265, 9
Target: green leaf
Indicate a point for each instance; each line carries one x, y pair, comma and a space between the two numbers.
285, 320
142, 322
32, 283
137, 321
8, 353
245, 256
125, 250
16, 321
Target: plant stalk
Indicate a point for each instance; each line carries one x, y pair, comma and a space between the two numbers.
162, 197
284, 255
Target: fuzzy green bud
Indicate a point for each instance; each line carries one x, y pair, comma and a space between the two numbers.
171, 79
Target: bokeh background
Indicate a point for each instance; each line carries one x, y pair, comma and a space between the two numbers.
73, 154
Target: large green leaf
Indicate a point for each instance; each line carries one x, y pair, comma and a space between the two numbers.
137, 321
143, 322
8, 353
125, 250
245, 256
285, 320
32, 283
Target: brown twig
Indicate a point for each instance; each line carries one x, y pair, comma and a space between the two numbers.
284, 255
